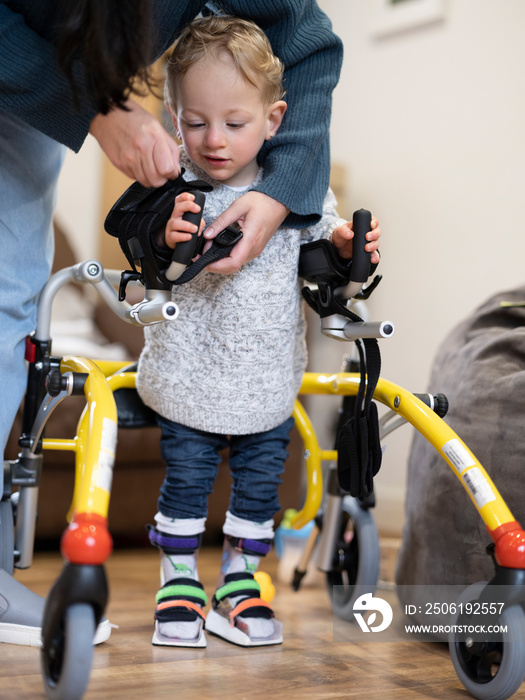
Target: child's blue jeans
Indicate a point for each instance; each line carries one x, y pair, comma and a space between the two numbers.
192, 459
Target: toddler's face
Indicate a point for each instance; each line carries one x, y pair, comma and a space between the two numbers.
222, 121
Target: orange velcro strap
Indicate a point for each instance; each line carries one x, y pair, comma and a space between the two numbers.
181, 604
246, 604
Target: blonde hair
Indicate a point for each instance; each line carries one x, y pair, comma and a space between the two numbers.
242, 40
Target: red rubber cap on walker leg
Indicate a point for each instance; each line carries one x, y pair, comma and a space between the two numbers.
86, 540
510, 549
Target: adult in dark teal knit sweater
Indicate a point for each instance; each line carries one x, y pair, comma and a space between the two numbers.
66, 70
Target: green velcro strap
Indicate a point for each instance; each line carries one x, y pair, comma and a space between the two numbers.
181, 591
236, 587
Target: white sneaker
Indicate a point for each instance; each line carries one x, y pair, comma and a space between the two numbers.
21, 613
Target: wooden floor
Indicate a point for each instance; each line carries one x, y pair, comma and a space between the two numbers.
308, 666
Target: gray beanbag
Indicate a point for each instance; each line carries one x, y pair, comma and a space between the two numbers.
481, 368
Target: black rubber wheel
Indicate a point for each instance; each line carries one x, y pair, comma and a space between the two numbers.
493, 670
356, 559
67, 658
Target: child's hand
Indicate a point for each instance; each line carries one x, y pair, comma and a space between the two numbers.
342, 239
177, 230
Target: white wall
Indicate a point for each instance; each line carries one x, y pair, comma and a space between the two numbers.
429, 124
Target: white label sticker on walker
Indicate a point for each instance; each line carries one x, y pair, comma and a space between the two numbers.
105, 471
109, 435
458, 455
479, 487
106, 458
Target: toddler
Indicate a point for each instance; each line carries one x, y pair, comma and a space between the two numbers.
226, 374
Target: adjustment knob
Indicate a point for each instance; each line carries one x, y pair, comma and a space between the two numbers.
54, 382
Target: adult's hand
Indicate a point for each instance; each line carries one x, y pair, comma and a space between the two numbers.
259, 216
137, 144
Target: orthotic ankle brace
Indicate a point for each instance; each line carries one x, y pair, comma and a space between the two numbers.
172, 544
257, 548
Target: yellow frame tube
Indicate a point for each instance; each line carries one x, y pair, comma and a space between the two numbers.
106, 377
95, 442
467, 468
107, 367
110, 367
313, 459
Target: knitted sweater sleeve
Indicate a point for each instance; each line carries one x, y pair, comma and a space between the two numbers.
31, 86
330, 219
297, 159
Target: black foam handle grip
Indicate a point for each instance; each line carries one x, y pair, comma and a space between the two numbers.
185, 251
362, 223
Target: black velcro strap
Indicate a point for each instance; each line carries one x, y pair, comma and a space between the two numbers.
358, 446
258, 548
221, 246
173, 544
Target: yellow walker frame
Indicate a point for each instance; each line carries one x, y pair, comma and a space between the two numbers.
86, 543
86, 539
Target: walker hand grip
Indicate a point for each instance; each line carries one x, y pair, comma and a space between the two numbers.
185, 251
362, 224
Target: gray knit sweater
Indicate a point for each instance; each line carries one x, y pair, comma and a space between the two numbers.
233, 360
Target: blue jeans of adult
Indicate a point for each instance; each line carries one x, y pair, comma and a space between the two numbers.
192, 458
30, 163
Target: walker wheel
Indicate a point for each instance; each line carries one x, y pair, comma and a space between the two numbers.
356, 559
492, 669
66, 656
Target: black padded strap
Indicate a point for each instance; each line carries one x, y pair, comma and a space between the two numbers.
357, 443
138, 216
140, 213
